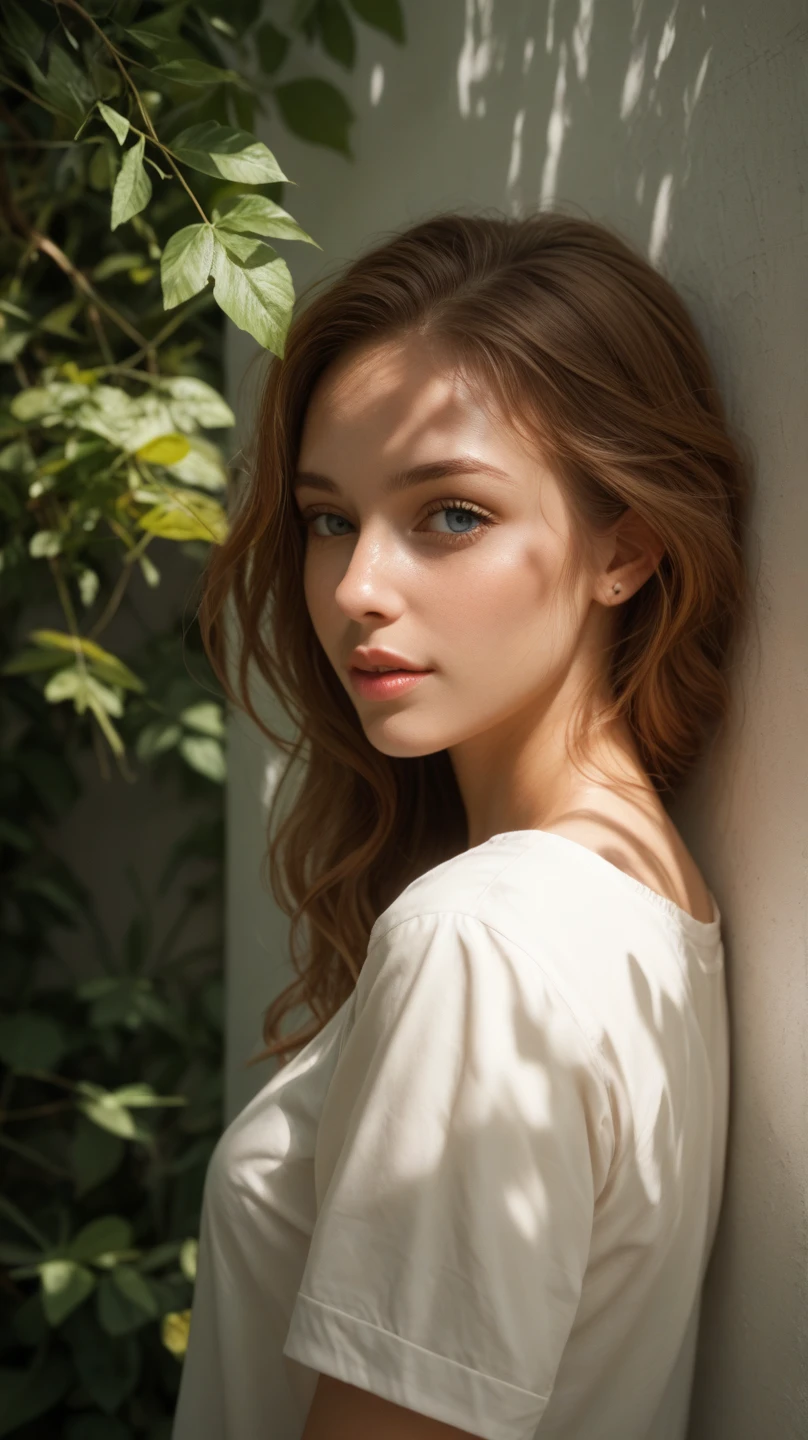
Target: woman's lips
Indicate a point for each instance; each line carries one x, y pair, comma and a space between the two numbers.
374, 686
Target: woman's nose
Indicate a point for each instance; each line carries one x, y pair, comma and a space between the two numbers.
370, 579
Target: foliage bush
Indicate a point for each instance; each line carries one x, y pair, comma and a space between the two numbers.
130, 179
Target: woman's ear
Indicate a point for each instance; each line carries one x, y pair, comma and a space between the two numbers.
632, 552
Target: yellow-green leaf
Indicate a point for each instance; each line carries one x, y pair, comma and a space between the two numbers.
188, 1258
174, 1331
184, 515
107, 666
165, 450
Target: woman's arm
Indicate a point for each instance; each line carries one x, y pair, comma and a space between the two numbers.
344, 1412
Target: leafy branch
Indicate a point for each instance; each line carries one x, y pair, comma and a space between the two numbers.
139, 207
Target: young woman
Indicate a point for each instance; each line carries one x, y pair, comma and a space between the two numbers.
480, 1199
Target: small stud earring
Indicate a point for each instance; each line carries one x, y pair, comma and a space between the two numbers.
617, 588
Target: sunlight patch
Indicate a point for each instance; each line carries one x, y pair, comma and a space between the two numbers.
376, 84
559, 121
632, 85
660, 223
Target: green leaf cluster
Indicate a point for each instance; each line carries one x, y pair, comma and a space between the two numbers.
140, 206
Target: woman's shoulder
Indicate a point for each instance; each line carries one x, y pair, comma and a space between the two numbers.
544, 880
458, 884
602, 939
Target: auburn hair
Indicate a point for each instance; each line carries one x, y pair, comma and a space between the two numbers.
592, 354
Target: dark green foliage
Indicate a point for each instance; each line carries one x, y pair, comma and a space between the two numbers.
137, 207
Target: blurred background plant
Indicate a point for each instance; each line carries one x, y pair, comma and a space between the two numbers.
137, 207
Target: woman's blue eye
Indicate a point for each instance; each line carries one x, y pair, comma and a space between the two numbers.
329, 515
459, 518
464, 515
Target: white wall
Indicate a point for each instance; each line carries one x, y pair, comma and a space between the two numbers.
684, 124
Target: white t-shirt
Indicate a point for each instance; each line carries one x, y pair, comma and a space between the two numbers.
488, 1189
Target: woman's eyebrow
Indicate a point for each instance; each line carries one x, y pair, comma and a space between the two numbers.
417, 475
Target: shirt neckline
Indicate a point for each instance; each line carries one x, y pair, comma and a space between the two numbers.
704, 933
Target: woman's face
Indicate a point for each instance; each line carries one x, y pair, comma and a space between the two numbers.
458, 571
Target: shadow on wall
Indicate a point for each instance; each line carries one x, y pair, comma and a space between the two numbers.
568, 60
680, 123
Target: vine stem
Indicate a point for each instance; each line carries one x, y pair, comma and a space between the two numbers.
29, 1111
119, 61
120, 587
29, 95
48, 247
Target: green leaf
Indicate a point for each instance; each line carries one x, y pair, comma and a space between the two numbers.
119, 1006
67, 684
157, 738
17, 458
116, 262
386, 15
88, 587
317, 111
44, 544
31, 1041
185, 264
226, 153
22, 36
143, 1095
67, 87
255, 291
133, 1286
84, 690
133, 187
206, 717
196, 72
160, 29
95, 1154
193, 402
117, 1313
33, 404
256, 215
272, 46
65, 1284
203, 466
336, 32
107, 666
150, 572
163, 1254
206, 756
118, 124
106, 1112
188, 1258
59, 321
108, 1233
29, 661
165, 450
186, 516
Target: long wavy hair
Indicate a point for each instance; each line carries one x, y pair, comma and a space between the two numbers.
592, 354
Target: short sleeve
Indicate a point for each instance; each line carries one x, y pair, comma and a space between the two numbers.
465, 1135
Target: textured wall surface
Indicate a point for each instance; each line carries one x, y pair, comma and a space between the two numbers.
685, 125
